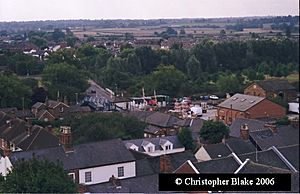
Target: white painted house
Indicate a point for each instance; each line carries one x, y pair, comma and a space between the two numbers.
90, 163
156, 146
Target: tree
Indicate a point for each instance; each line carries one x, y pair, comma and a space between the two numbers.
104, 126
166, 79
193, 68
185, 137
213, 131
64, 79
228, 83
37, 176
13, 93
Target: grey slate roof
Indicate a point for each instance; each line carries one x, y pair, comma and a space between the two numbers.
252, 167
156, 141
286, 135
275, 85
241, 102
267, 157
216, 150
291, 153
25, 136
253, 125
141, 184
221, 165
176, 159
83, 156
240, 146
161, 119
39, 139
152, 129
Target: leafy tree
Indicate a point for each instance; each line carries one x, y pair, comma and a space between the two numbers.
166, 79
213, 131
228, 83
64, 79
193, 68
104, 126
13, 93
37, 176
185, 137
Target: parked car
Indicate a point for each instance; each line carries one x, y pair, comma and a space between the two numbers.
213, 97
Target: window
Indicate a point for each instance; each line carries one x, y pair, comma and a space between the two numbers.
88, 177
121, 171
61, 109
72, 176
168, 147
150, 149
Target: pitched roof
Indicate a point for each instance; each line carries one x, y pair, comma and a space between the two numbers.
14, 130
291, 153
176, 159
267, 157
84, 155
275, 85
252, 167
253, 125
96, 90
220, 165
39, 139
161, 119
286, 135
53, 103
241, 102
152, 129
156, 141
217, 150
140, 184
240, 146
37, 105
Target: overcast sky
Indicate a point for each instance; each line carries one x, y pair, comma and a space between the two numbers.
25, 10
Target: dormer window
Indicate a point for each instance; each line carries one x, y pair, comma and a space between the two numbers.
168, 147
150, 149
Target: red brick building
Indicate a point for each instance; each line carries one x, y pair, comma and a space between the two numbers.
272, 89
247, 106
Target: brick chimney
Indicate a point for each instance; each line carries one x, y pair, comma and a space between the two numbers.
273, 127
6, 150
114, 182
66, 138
244, 132
165, 164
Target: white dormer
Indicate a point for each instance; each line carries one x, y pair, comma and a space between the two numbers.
165, 144
132, 146
148, 146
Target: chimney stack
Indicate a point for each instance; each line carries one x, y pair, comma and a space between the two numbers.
165, 164
244, 132
66, 138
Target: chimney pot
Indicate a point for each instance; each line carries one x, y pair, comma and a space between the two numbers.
66, 138
244, 132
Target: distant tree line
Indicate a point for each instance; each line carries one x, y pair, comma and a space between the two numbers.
209, 67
